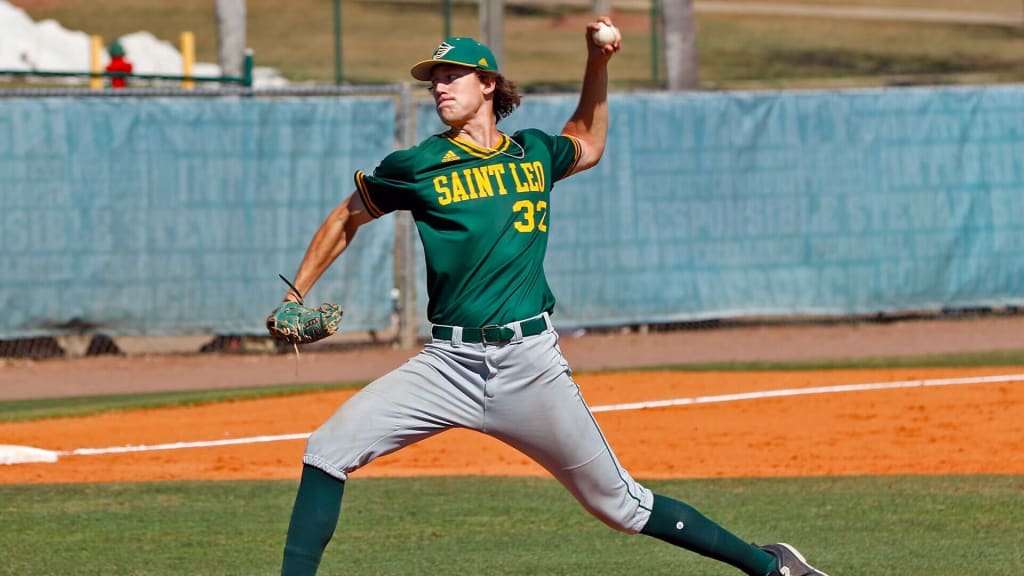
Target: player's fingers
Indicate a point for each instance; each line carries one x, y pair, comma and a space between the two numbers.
592, 26
605, 49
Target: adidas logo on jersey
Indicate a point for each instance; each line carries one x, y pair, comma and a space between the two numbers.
450, 156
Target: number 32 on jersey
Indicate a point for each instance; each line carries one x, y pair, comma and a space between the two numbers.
533, 215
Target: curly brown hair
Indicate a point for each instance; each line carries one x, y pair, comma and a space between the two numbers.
506, 94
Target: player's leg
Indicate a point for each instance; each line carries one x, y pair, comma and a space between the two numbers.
411, 403
544, 416
439, 388
535, 407
313, 520
680, 524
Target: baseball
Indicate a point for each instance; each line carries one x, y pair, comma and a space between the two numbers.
605, 34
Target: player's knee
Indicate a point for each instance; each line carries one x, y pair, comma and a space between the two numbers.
611, 495
324, 451
623, 510
619, 519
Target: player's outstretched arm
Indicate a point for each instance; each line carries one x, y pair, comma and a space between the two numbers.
589, 123
330, 240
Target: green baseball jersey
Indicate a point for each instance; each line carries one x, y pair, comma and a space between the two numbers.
482, 216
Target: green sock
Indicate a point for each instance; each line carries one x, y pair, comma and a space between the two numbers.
314, 518
682, 525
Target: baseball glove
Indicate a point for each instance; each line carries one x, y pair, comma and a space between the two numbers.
294, 323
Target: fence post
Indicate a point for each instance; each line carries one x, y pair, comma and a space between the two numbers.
405, 238
95, 45
188, 58
247, 69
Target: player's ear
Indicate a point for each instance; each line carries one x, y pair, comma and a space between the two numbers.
488, 82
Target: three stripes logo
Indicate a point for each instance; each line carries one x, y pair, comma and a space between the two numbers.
442, 49
449, 156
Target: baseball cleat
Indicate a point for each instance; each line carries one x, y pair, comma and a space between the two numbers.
791, 562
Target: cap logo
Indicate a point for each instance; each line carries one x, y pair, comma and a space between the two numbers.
483, 62
442, 49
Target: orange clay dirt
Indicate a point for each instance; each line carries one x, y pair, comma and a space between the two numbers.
954, 429
968, 426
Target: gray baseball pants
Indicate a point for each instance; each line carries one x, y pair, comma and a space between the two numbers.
520, 392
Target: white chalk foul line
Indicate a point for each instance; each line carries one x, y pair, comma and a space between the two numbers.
607, 408
808, 391
31, 455
183, 445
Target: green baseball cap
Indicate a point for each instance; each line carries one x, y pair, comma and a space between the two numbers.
460, 51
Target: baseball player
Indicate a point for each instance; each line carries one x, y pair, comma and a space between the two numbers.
480, 199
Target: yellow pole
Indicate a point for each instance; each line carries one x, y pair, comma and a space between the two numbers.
188, 58
95, 45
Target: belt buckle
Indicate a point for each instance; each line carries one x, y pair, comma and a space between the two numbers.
496, 330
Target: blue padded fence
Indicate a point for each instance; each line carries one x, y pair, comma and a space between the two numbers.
172, 216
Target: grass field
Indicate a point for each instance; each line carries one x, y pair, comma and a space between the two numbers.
906, 526
543, 44
853, 526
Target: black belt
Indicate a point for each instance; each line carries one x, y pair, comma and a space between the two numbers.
492, 334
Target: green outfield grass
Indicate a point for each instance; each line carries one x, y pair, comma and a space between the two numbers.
906, 526
40, 408
543, 44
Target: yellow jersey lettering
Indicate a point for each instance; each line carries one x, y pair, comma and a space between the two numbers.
497, 170
520, 187
531, 182
483, 182
458, 190
444, 197
469, 183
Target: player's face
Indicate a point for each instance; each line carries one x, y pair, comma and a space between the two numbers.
458, 93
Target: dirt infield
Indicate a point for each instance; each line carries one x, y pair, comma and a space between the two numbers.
964, 426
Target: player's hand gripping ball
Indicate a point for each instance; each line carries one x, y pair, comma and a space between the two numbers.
297, 324
605, 34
